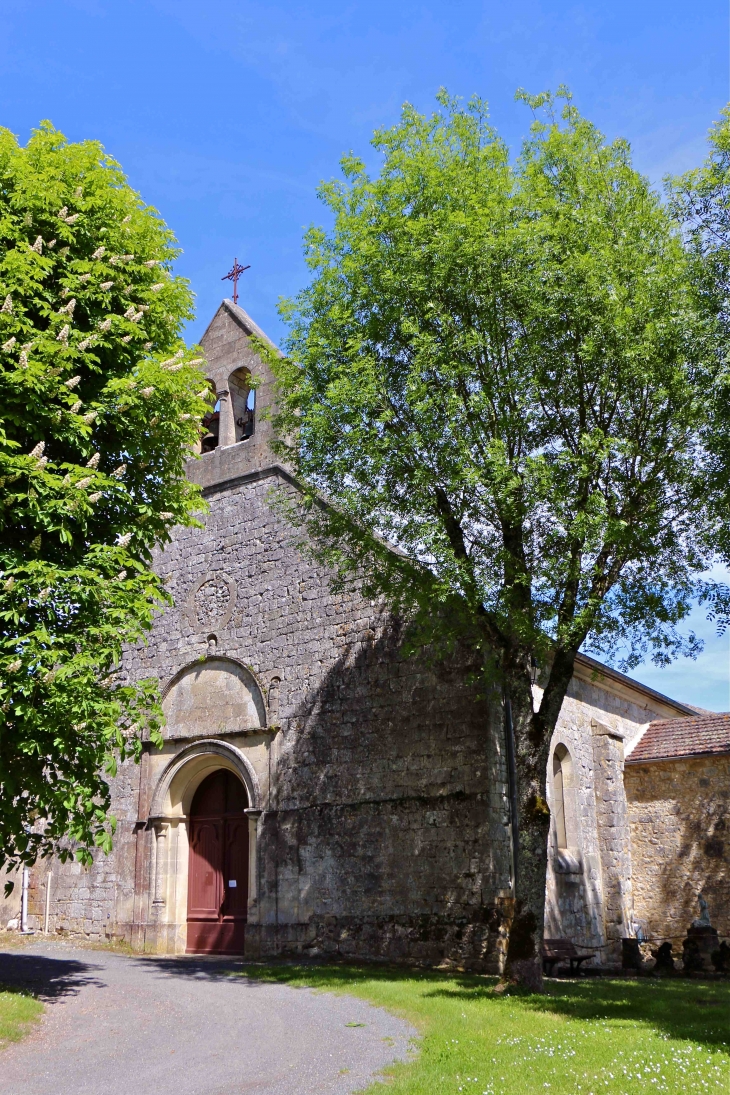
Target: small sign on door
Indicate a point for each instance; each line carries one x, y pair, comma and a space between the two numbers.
232, 885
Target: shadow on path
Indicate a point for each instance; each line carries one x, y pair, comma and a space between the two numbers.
47, 978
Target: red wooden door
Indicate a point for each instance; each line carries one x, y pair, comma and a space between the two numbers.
218, 866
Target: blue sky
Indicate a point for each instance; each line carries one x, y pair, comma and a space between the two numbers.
226, 115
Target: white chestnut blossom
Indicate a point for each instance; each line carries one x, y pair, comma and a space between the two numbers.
38, 245
130, 311
78, 192
62, 213
14, 666
76, 407
62, 335
39, 449
156, 288
105, 324
23, 362
72, 382
90, 417
119, 472
122, 541
167, 516
7, 346
126, 338
85, 343
94, 462
98, 253
121, 576
8, 305
95, 496
69, 308
138, 315
84, 277
152, 262
147, 346
10, 583
147, 392
84, 482
73, 218
51, 244
106, 285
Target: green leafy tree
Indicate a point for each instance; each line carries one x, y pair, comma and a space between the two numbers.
498, 369
99, 407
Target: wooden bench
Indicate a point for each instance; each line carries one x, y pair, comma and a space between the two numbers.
562, 950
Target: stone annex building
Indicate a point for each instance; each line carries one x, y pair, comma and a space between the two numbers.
320, 794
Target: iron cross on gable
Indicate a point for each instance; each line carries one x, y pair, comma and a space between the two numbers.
233, 275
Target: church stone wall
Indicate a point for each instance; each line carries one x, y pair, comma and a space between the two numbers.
679, 813
384, 824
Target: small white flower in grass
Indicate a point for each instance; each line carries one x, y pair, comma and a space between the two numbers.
119, 472
14, 666
105, 325
95, 496
90, 417
38, 450
126, 338
73, 218
38, 245
106, 285
122, 541
62, 213
72, 382
147, 392
84, 482
94, 462
99, 252
7, 346
62, 335
8, 305
156, 288
152, 262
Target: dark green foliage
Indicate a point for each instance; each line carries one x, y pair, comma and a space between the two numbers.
98, 411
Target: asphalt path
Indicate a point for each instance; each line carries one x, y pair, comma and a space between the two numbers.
142, 1025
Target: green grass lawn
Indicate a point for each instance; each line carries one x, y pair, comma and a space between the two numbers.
585, 1037
18, 1012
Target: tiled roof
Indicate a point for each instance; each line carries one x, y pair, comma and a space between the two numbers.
669, 739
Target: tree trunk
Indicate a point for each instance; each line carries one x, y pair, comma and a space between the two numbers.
524, 950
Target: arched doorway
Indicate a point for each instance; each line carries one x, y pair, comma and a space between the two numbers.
218, 866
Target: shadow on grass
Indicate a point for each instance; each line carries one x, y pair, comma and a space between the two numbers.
696, 1011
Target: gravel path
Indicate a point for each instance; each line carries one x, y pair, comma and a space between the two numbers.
119, 1025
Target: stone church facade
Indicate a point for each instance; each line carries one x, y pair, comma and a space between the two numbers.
358, 796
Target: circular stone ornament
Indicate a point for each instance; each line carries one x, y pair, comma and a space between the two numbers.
211, 601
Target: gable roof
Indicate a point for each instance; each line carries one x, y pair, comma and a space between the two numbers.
588, 669
672, 739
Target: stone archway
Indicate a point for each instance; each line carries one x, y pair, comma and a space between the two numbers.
169, 824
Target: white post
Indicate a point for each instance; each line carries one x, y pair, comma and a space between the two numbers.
24, 929
49, 876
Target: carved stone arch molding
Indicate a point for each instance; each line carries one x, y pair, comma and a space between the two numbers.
183, 775
215, 695
211, 601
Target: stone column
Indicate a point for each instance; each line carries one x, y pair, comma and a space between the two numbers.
614, 835
160, 863
253, 820
226, 425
